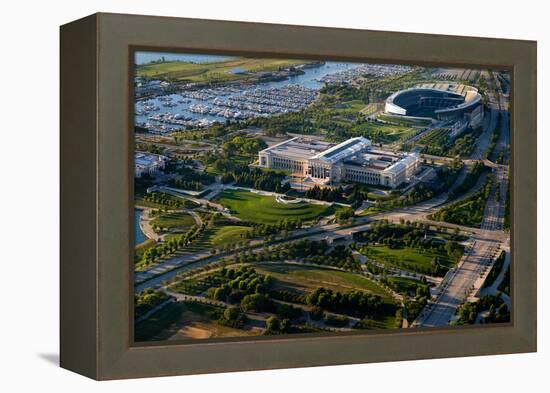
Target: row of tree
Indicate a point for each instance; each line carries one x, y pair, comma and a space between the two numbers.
179, 242
356, 303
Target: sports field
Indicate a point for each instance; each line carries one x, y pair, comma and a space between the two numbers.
264, 209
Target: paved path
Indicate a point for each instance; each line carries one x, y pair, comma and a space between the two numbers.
458, 285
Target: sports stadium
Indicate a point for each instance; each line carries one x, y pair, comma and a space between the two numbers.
438, 101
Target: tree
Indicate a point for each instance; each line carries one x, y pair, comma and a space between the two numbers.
256, 302
231, 313
272, 324
285, 326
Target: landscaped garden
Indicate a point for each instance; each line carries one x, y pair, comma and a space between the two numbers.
263, 209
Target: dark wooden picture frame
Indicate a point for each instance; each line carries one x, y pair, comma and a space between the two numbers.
97, 194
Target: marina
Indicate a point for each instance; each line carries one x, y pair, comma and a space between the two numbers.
201, 107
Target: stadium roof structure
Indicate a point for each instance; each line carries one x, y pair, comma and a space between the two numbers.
429, 100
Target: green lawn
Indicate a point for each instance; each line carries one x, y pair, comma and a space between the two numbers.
180, 220
304, 278
403, 285
405, 121
217, 236
385, 133
407, 258
236, 159
228, 234
265, 209
215, 71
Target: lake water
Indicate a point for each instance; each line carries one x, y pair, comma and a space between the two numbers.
139, 236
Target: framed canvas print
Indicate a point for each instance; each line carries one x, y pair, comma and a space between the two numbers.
239, 196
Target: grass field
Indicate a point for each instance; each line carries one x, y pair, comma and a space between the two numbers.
264, 209
408, 258
168, 221
216, 236
215, 71
304, 278
403, 285
405, 121
228, 234
385, 133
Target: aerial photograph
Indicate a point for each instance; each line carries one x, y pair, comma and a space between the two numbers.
284, 196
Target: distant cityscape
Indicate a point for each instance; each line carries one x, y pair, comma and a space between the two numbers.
284, 196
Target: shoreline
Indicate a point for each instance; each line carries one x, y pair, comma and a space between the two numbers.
145, 226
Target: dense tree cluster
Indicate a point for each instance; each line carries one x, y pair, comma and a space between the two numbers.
468, 211
233, 317
462, 146
149, 147
329, 194
413, 235
241, 282
248, 146
504, 285
344, 215
274, 325
189, 179
256, 178
355, 303
146, 300
469, 181
495, 270
494, 138
281, 227
162, 198
296, 122
417, 287
498, 311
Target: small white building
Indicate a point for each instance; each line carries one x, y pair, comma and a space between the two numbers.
148, 163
